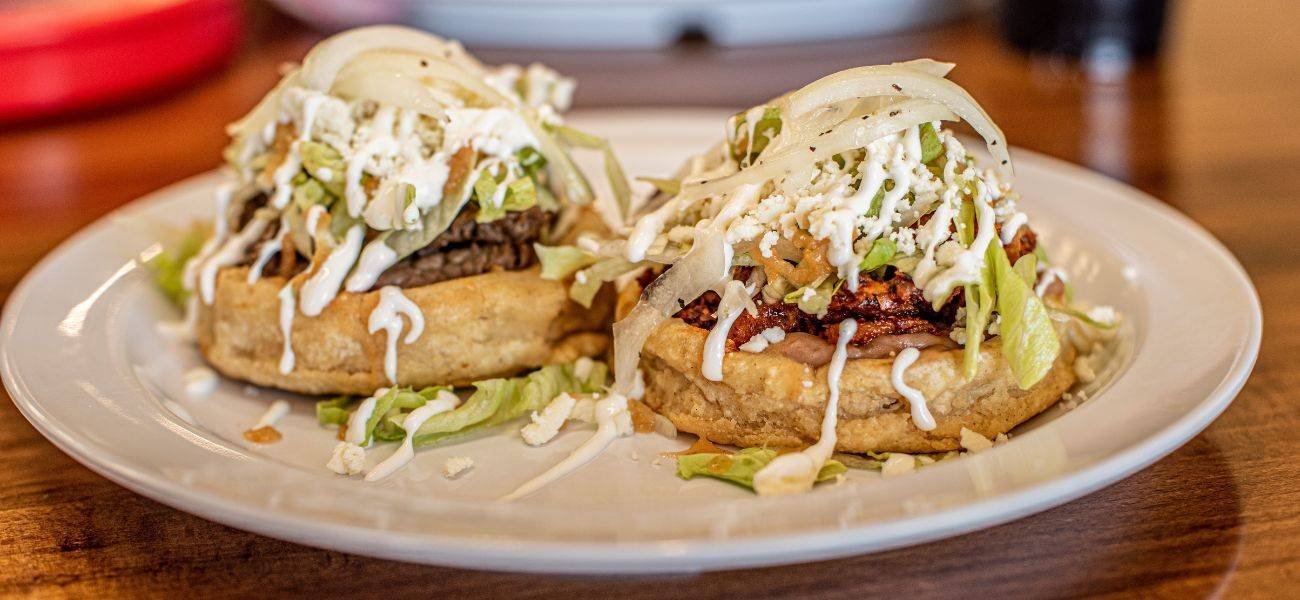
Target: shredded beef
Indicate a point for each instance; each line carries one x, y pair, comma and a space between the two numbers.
466, 248
882, 305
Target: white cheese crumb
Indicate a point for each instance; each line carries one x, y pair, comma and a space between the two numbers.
763, 339
807, 383
973, 441
347, 459
547, 423
582, 367
958, 334
995, 325
456, 465
755, 344
897, 464
765, 244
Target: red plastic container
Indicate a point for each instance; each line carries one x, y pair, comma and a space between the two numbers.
65, 55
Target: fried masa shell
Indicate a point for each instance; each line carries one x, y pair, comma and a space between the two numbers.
490, 325
763, 400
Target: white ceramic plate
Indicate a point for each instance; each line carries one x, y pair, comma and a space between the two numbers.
82, 359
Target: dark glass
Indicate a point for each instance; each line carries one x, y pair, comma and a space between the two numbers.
1084, 28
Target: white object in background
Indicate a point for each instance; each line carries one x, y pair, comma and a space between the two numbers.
632, 24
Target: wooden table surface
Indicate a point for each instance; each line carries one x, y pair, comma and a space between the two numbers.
1209, 129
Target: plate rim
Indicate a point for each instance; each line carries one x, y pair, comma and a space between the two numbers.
654, 556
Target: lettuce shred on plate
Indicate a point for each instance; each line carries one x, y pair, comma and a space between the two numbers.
739, 468
169, 266
492, 402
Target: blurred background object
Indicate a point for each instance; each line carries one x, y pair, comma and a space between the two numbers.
1106, 35
632, 24
64, 55
1084, 28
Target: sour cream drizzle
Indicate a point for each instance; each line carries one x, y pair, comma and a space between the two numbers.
1049, 276
1012, 226
387, 316
411, 424
264, 254
283, 177
796, 472
273, 414
287, 358
612, 421
356, 433
921, 416
715, 345
230, 253
321, 288
376, 257
970, 261
380, 142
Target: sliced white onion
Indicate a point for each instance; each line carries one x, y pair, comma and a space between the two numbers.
828, 116
856, 133
702, 268
898, 80
566, 174
418, 68
321, 66
388, 87
250, 126
929, 66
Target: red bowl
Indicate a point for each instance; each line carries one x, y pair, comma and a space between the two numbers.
64, 55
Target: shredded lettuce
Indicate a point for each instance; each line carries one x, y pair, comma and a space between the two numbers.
816, 301
520, 195
882, 251
588, 281
169, 266
320, 158
335, 411
530, 160
379, 425
664, 186
979, 299
931, 147
559, 262
1027, 268
613, 168
1028, 340
307, 192
497, 401
740, 468
744, 150
494, 401
1080, 315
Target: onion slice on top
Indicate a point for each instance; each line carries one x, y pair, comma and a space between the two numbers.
898, 80
321, 66
848, 135
703, 267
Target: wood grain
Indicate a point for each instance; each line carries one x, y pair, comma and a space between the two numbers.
1209, 129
